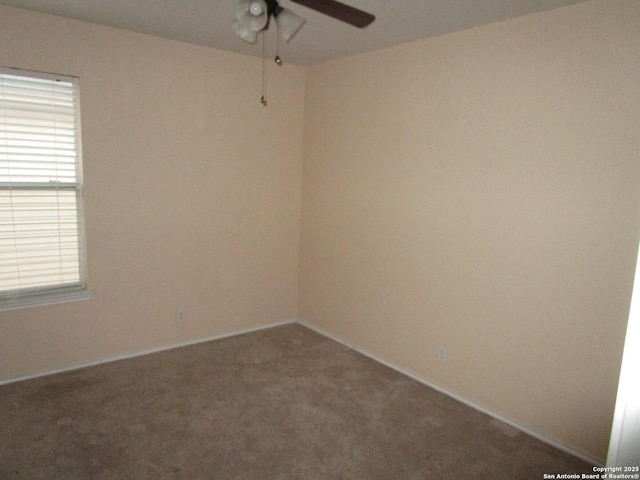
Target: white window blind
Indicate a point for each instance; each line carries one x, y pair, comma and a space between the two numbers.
41, 228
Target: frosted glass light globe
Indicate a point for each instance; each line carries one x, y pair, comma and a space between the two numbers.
256, 8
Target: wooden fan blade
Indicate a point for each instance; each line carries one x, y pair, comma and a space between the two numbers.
339, 11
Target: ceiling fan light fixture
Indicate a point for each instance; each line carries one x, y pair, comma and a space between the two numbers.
288, 23
252, 14
244, 33
256, 8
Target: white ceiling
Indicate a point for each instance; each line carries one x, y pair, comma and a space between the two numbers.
208, 22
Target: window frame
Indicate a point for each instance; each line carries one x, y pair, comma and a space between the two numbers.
61, 292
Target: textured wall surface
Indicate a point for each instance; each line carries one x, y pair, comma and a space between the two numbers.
480, 191
192, 192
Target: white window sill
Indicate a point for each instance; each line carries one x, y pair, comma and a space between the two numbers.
44, 299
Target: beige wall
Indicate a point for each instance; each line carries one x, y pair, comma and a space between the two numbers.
192, 193
480, 191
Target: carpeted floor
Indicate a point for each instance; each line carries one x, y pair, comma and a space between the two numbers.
283, 403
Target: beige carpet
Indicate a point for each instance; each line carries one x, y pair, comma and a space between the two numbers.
283, 403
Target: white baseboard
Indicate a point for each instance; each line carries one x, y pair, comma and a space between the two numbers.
143, 352
550, 441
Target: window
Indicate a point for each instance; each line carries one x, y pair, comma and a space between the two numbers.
42, 258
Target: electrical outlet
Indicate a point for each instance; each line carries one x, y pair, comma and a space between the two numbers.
442, 354
181, 315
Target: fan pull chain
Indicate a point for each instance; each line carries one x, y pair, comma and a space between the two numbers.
277, 59
263, 98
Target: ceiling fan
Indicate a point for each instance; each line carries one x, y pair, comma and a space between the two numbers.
253, 16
